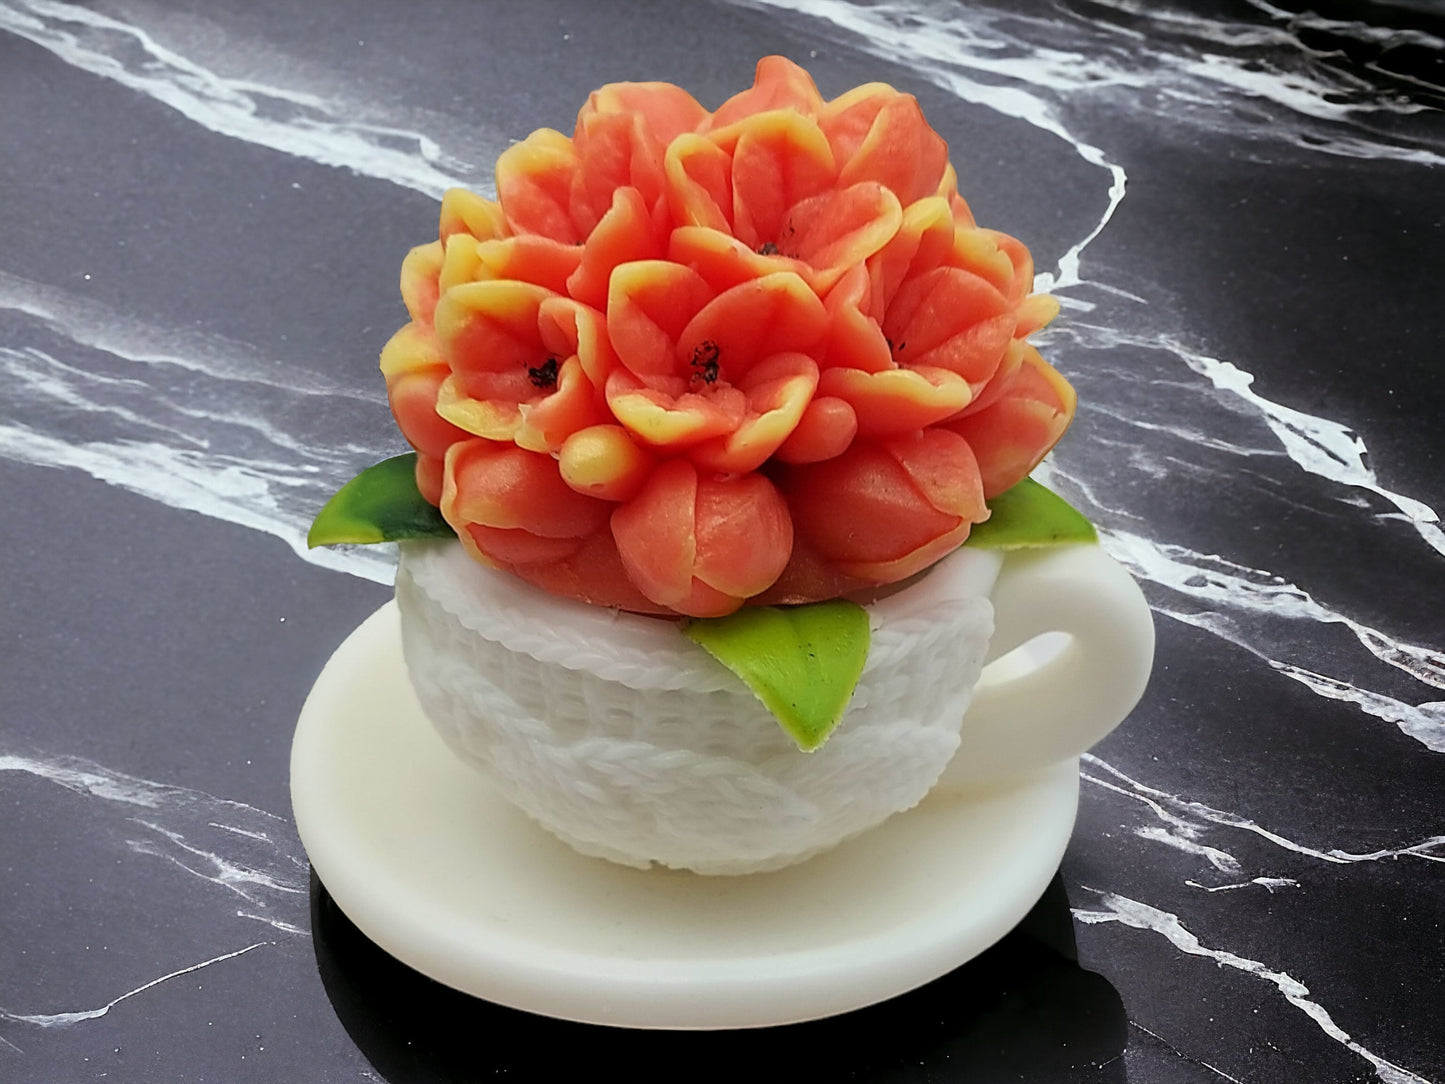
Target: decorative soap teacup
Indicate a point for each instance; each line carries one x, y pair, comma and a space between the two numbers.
700, 364
631, 743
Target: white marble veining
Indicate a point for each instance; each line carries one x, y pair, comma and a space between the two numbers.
1142, 916
1318, 445
274, 478
334, 124
1269, 884
1267, 616
250, 858
223, 428
64, 1019
195, 421
1185, 820
1040, 67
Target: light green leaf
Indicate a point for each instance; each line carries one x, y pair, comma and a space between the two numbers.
381, 504
803, 662
1030, 515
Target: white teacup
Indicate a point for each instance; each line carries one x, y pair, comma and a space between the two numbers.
631, 743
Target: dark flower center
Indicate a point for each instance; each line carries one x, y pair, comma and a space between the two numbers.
705, 362
785, 245
544, 375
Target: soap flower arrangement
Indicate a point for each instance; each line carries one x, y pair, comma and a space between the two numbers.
700, 364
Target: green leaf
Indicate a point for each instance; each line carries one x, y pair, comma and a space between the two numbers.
803, 662
381, 504
1030, 515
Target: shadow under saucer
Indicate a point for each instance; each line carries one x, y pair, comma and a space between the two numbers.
1023, 1010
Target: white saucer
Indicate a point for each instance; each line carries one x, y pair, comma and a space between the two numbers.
432, 865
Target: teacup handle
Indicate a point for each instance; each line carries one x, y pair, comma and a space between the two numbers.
1058, 708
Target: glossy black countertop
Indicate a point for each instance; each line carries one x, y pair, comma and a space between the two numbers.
1241, 207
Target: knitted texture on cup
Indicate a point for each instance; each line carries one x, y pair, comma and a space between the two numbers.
631, 743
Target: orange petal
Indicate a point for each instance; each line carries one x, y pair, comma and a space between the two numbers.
413, 347
429, 474
1034, 312
548, 420
491, 327
778, 390
744, 534
974, 353
825, 430
500, 485
615, 150
699, 183
656, 533
703, 600
673, 417
883, 511
534, 185
1016, 432
809, 578
724, 261
649, 303
978, 251
538, 413
468, 213
836, 229
944, 470
861, 507
948, 318
462, 262
604, 461
881, 572
895, 401
778, 83
530, 258
923, 241
769, 315
700, 545
667, 110
998, 384
623, 235
855, 341
781, 159
413, 399
415, 370
592, 573
494, 412
957, 205
568, 327
847, 119
1022, 262
881, 135
419, 272
513, 548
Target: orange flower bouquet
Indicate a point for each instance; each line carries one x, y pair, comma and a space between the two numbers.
690, 363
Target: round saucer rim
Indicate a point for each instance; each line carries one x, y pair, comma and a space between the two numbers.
744, 990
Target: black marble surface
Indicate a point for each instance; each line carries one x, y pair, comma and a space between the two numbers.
1241, 206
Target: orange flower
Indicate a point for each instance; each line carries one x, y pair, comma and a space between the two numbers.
412, 362
884, 510
523, 361
511, 506
702, 544
722, 379
692, 360
560, 188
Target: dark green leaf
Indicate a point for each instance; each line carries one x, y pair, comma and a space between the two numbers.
1030, 515
381, 504
803, 662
